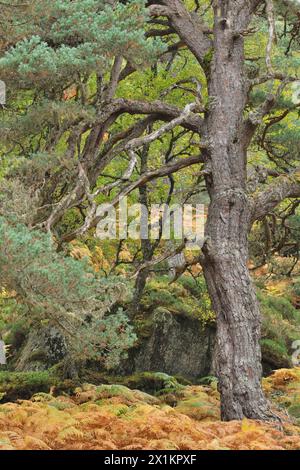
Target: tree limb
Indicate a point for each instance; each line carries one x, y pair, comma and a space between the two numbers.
188, 27
272, 34
145, 178
287, 186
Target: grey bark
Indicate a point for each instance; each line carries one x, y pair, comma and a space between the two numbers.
238, 355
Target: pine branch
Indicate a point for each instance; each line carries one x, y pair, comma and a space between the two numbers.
287, 186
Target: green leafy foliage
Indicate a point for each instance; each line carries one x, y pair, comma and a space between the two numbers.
22, 385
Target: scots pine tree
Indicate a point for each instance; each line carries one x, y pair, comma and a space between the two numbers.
56, 290
48, 51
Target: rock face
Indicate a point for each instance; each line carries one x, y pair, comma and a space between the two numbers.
177, 345
43, 349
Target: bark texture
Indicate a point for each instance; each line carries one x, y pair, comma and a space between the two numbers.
238, 355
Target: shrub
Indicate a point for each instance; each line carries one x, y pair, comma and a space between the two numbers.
59, 290
186, 297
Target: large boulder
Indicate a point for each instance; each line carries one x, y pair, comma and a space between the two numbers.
176, 345
44, 348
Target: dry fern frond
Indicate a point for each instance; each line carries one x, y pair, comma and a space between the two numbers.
118, 418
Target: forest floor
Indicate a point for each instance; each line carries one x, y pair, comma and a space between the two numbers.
115, 417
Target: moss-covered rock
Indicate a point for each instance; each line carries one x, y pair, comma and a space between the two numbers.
294, 411
16, 385
177, 345
274, 354
280, 328
23, 385
112, 394
156, 383
200, 403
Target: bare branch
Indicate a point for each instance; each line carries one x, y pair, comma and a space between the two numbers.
272, 33
162, 130
188, 27
125, 177
287, 186
273, 76
160, 259
145, 178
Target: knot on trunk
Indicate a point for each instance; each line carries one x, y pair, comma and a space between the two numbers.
238, 192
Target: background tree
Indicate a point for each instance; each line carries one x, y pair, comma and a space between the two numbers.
53, 290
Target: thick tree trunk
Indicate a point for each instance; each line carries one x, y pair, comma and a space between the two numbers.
238, 355
226, 251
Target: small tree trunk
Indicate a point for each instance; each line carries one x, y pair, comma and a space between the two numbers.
238, 354
146, 246
139, 288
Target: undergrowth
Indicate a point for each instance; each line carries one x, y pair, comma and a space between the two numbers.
115, 417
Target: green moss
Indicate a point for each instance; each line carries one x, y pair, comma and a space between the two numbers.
156, 383
294, 410
275, 353
186, 297
113, 394
38, 356
42, 397
109, 391
16, 385
143, 327
199, 403
23, 385
280, 328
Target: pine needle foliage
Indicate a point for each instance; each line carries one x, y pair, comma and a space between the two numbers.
59, 290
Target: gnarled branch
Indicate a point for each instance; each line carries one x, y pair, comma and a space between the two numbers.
287, 186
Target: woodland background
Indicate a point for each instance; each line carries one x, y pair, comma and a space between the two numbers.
97, 107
